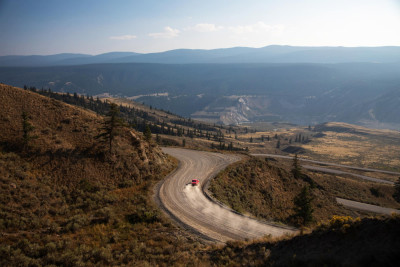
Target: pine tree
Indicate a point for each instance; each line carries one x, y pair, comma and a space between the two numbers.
147, 133
278, 144
296, 170
183, 142
302, 206
230, 146
396, 194
111, 126
27, 128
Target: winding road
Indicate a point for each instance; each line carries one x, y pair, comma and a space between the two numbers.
333, 171
194, 210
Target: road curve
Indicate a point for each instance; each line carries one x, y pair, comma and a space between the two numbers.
366, 207
326, 163
339, 172
191, 208
333, 171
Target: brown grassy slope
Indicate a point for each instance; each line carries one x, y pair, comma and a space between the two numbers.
358, 190
65, 201
267, 189
370, 242
65, 133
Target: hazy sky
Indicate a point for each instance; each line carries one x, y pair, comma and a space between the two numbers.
97, 26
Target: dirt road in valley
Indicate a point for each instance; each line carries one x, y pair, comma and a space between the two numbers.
366, 207
333, 171
191, 208
326, 170
326, 163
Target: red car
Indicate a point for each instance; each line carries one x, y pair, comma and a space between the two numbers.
195, 182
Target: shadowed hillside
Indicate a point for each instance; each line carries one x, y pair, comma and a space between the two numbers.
339, 242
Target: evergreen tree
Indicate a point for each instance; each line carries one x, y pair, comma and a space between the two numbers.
302, 206
230, 146
180, 132
27, 128
296, 170
251, 139
396, 194
111, 126
147, 133
278, 144
183, 142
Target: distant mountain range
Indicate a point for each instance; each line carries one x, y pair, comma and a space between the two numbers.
304, 85
268, 54
359, 93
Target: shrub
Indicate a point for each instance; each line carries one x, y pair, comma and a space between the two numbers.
375, 191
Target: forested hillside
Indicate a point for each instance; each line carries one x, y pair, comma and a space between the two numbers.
360, 93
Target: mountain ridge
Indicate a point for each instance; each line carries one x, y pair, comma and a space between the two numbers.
267, 54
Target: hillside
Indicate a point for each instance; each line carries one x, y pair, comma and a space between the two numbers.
358, 93
339, 242
66, 201
266, 189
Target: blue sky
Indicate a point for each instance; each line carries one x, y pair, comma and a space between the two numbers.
45, 27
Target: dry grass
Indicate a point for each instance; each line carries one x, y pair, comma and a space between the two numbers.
266, 190
375, 149
66, 201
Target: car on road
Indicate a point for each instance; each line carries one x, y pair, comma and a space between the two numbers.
195, 182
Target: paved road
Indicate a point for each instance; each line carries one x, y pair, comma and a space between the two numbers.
327, 163
366, 207
190, 207
323, 169
326, 170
